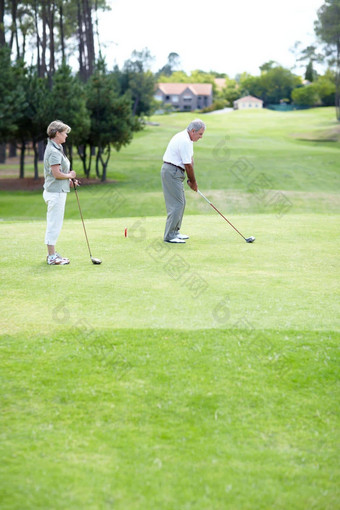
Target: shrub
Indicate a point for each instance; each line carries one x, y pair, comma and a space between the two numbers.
218, 104
307, 96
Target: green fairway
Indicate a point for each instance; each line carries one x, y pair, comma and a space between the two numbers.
201, 376
167, 419
245, 158
285, 280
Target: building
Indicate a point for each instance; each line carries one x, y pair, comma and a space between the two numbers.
248, 102
185, 96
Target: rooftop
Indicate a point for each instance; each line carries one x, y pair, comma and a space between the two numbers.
199, 89
248, 99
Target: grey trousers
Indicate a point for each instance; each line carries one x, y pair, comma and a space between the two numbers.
172, 182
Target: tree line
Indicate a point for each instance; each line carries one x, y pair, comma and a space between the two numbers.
48, 30
103, 112
275, 85
105, 107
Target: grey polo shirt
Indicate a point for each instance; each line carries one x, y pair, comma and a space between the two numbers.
54, 155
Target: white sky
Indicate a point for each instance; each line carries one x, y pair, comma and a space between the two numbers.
225, 36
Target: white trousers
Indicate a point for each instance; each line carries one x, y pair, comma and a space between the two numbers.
55, 215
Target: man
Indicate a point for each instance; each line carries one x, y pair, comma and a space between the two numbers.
178, 160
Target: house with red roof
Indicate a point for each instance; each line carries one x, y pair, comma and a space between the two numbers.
248, 102
185, 96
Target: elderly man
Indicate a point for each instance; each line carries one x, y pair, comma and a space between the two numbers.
178, 159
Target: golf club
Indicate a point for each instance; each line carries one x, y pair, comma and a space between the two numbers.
247, 239
93, 259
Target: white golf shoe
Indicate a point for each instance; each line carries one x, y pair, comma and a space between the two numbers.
57, 260
182, 236
175, 240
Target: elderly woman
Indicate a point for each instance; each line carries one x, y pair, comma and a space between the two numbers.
57, 184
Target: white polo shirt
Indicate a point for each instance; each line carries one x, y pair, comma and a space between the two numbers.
180, 150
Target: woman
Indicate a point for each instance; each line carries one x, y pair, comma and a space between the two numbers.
57, 184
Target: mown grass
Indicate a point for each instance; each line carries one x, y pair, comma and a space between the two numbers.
112, 201
202, 376
247, 155
169, 419
286, 279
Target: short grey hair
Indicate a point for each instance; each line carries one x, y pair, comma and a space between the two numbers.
196, 125
57, 126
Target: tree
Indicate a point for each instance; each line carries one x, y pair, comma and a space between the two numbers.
306, 96
35, 117
325, 87
13, 99
199, 76
271, 86
139, 81
231, 91
267, 66
68, 102
310, 73
2, 24
86, 39
327, 28
111, 120
196, 76
50, 25
176, 77
172, 64
250, 85
278, 83
311, 56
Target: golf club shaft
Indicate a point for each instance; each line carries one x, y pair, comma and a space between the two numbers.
212, 205
82, 219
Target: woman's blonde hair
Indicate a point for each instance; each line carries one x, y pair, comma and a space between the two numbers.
57, 126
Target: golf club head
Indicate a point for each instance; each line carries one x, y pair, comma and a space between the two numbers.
250, 239
95, 261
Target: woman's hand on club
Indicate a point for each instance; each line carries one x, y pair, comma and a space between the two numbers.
74, 183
